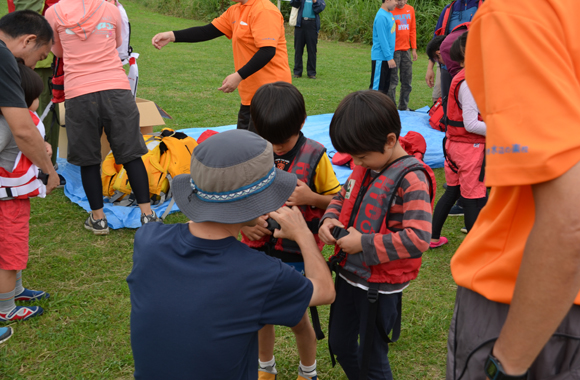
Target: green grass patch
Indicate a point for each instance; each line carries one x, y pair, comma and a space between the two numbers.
84, 333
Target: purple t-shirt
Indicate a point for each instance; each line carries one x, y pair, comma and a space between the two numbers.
452, 66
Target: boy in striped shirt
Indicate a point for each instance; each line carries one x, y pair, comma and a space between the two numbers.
385, 206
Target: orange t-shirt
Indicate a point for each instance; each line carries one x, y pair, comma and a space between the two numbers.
523, 68
251, 26
406, 37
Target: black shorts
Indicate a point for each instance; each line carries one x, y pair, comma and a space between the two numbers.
116, 112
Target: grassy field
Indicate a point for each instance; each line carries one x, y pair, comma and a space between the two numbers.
84, 333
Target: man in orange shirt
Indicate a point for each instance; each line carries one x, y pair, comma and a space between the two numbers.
256, 28
517, 313
406, 40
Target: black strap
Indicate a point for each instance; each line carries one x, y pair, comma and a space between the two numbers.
452, 165
457, 124
316, 323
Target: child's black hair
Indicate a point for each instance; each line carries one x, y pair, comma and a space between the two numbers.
278, 111
433, 46
457, 51
362, 122
31, 83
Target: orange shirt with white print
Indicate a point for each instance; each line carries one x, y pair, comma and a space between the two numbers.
89, 51
406, 37
251, 26
532, 118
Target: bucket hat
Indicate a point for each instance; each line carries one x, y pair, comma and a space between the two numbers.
233, 180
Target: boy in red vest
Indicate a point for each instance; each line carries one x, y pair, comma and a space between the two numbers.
385, 206
278, 113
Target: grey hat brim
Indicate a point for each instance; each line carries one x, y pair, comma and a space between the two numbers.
243, 210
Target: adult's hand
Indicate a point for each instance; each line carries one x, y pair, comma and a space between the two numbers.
392, 64
292, 223
53, 181
162, 39
231, 82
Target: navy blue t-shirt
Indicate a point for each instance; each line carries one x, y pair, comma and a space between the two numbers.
197, 304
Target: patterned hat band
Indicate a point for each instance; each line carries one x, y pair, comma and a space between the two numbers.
235, 195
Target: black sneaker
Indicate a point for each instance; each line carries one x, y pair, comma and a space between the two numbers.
62, 182
456, 210
153, 218
99, 226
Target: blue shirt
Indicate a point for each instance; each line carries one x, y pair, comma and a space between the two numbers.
197, 304
384, 29
307, 11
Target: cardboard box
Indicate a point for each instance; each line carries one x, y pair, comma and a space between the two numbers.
149, 117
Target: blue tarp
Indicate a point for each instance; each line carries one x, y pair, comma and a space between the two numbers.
316, 128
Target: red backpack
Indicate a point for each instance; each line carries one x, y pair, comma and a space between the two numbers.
436, 119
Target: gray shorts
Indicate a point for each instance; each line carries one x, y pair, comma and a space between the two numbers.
114, 111
477, 322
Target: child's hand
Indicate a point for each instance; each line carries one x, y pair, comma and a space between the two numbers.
258, 231
301, 196
48, 149
325, 231
351, 243
292, 223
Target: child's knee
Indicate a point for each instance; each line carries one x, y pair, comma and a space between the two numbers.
303, 326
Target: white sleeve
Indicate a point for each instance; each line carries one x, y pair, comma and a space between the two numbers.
470, 111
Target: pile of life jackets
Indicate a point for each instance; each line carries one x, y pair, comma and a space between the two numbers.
169, 155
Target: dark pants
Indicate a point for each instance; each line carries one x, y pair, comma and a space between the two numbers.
477, 320
380, 76
405, 70
349, 320
307, 35
245, 119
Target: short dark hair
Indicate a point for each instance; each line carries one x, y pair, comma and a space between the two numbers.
433, 46
362, 122
20, 23
457, 51
31, 83
278, 111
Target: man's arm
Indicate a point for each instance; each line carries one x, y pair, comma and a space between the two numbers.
294, 227
538, 307
30, 142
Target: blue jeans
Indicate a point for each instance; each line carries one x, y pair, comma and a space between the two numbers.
348, 320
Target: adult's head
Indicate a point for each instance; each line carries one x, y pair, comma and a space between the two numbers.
363, 122
433, 49
278, 111
27, 35
233, 180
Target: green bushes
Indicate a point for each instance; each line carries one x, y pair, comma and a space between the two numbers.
343, 20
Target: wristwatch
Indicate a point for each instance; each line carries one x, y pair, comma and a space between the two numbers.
494, 370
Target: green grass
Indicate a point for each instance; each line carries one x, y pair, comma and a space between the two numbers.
84, 333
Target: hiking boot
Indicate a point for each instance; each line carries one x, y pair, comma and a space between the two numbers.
150, 218
456, 210
21, 313
99, 226
31, 295
307, 376
5, 334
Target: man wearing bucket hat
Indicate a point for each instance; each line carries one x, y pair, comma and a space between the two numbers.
213, 292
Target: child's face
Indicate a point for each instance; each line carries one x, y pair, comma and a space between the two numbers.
34, 106
286, 146
377, 160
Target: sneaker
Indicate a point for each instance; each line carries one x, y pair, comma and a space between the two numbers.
31, 295
306, 376
21, 313
442, 241
267, 373
464, 230
150, 218
99, 227
62, 182
5, 334
456, 210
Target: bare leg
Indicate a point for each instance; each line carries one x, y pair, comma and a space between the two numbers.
266, 338
7, 280
305, 340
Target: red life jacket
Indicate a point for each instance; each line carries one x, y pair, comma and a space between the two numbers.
22, 181
455, 127
372, 216
58, 80
304, 166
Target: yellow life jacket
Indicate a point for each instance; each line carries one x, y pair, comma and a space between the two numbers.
169, 155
